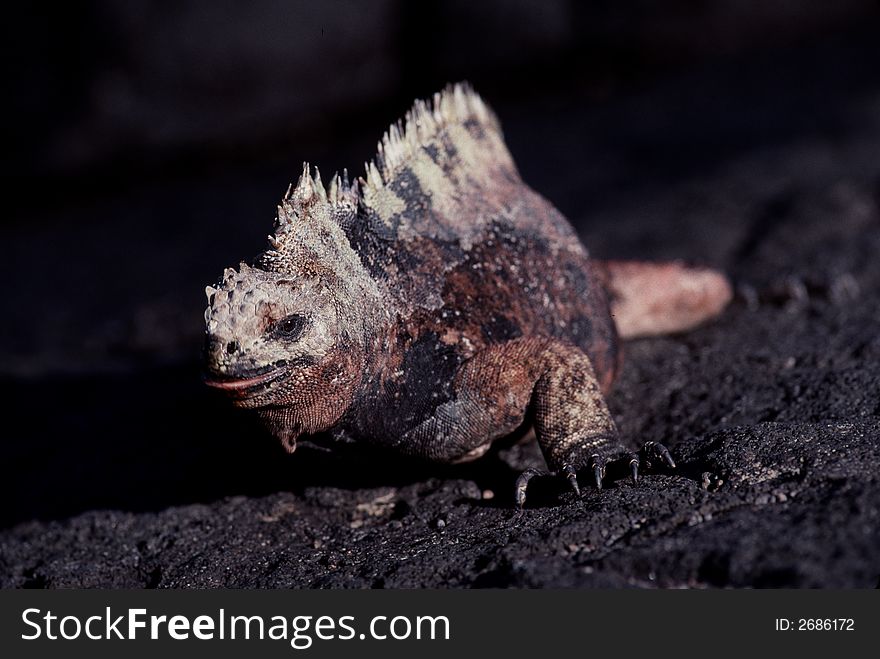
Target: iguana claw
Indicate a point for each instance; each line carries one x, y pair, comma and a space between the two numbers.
654, 451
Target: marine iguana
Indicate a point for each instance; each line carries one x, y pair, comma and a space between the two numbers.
438, 304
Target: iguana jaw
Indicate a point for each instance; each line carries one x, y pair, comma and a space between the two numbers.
243, 387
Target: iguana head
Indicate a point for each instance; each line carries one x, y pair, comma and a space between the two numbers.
290, 331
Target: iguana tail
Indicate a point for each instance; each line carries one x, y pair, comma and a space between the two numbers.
648, 299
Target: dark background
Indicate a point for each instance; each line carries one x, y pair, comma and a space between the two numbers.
148, 144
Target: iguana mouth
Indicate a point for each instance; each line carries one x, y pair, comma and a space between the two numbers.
243, 386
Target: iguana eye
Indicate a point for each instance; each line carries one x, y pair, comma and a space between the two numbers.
291, 327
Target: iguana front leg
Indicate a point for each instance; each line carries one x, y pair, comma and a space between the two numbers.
495, 389
574, 426
572, 422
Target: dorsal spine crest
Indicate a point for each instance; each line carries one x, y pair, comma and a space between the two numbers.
455, 106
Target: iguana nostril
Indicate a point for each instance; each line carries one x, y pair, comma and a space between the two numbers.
231, 347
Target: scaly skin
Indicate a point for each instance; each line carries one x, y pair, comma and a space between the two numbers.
432, 307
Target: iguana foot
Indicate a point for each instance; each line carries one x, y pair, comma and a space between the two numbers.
522, 483
651, 455
789, 292
793, 292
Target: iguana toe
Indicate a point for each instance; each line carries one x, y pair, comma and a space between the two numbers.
522, 484
634, 467
571, 474
654, 452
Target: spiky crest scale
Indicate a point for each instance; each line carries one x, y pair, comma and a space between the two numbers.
454, 106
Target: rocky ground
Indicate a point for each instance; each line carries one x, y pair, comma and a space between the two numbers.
120, 470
